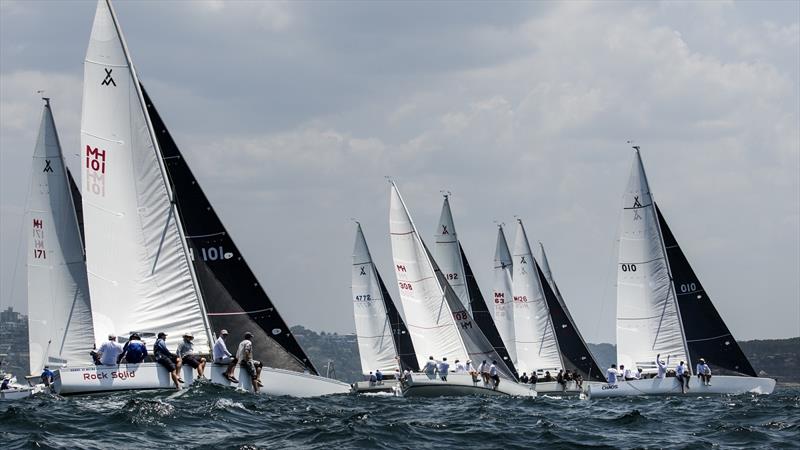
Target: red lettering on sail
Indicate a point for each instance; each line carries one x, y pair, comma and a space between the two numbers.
95, 171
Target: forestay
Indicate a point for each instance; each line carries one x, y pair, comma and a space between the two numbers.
138, 265
647, 316
503, 300
59, 310
537, 348
233, 297
373, 330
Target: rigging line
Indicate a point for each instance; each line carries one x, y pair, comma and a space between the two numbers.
661, 320
606, 282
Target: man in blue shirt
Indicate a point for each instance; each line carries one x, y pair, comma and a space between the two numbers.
134, 351
166, 358
47, 376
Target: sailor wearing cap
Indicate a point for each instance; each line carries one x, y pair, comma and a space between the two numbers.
166, 358
189, 357
245, 356
109, 351
223, 356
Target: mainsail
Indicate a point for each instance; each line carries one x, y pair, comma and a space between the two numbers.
707, 336
503, 296
537, 348
138, 263
233, 297
440, 325
450, 256
648, 321
373, 310
59, 310
574, 352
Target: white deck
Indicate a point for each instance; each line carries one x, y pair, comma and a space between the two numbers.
460, 384
145, 376
720, 385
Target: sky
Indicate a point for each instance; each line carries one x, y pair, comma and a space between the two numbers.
291, 115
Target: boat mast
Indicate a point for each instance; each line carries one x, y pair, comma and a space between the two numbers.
165, 177
666, 259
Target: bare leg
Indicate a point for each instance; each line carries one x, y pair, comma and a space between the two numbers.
201, 368
174, 377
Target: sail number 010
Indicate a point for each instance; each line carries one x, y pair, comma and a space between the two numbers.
628, 267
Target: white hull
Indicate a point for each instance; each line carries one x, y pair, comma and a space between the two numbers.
145, 376
460, 384
9, 395
720, 385
363, 387
552, 387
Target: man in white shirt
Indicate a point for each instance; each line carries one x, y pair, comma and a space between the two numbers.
484, 370
430, 368
611, 374
109, 351
682, 373
460, 367
223, 356
704, 372
494, 375
443, 368
471, 370
627, 374
662, 366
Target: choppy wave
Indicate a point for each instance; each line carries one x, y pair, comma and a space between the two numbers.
212, 416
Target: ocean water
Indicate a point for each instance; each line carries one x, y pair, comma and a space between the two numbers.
211, 416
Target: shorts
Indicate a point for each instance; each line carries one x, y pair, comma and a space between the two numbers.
168, 362
225, 360
191, 361
251, 367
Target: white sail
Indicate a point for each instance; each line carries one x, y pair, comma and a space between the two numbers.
448, 254
59, 312
503, 294
537, 348
428, 316
647, 317
373, 330
140, 274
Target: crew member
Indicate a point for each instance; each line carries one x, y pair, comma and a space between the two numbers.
494, 375
47, 376
524, 378
484, 370
662, 366
169, 360
253, 367
705, 371
460, 367
109, 351
430, 368
223, 356
379, 376
189, 357
682, 372
443, 368
134, 351
611, 374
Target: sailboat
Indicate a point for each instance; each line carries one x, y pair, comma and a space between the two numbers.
502, 293
547, 339
440, 324
452, 260
383, 340
158, 257
662, 309
59, 312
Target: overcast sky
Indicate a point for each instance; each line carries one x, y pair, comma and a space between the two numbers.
291, 114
